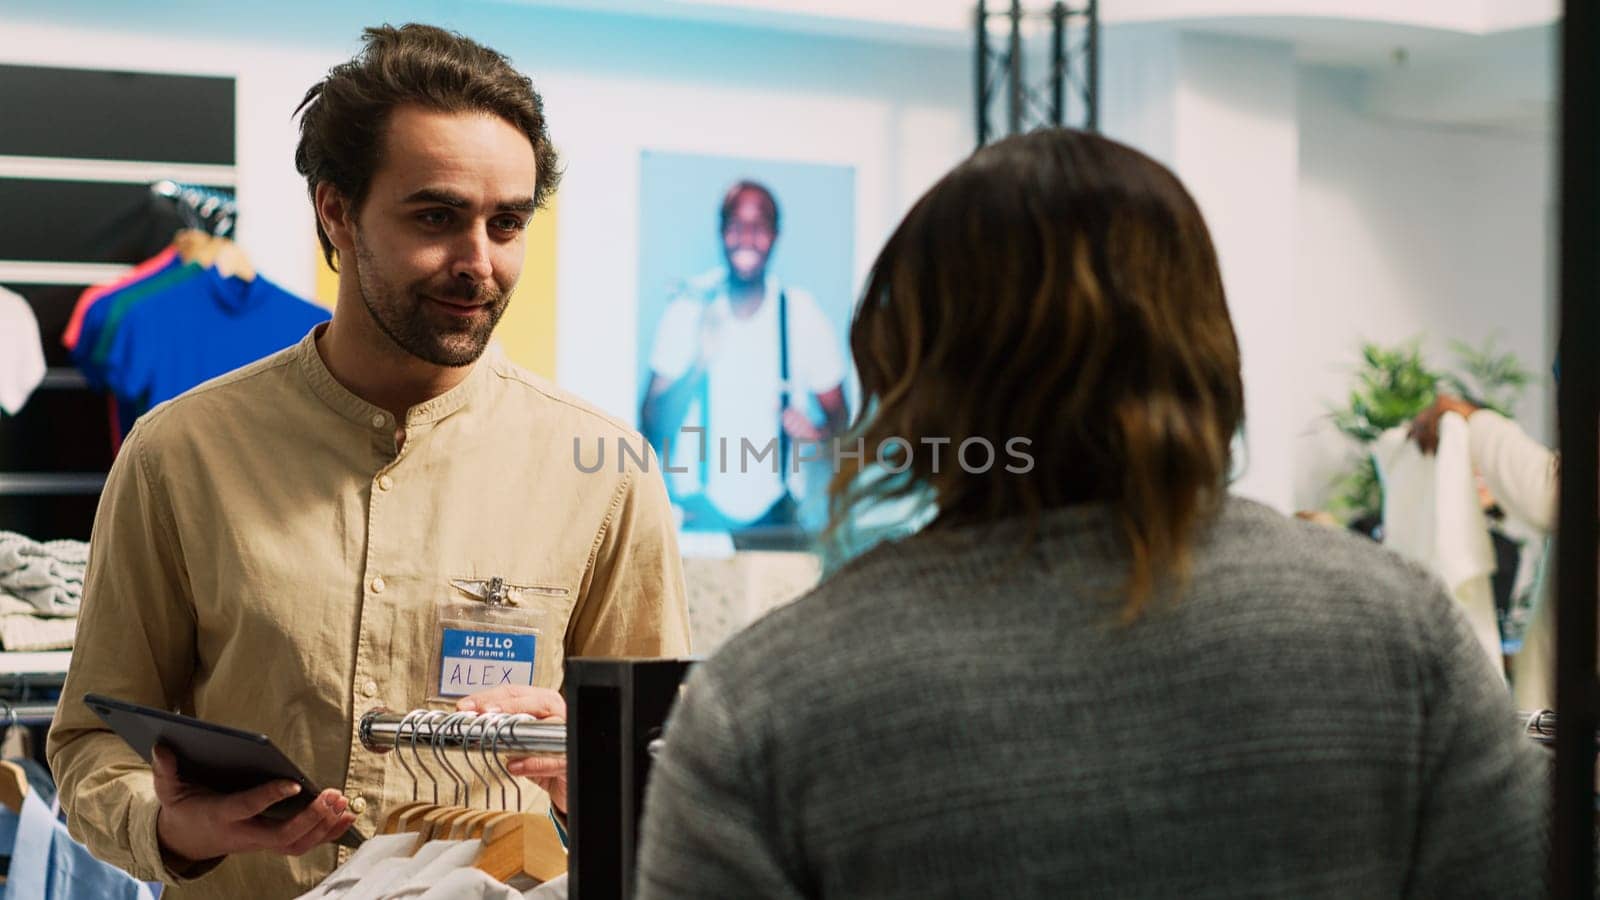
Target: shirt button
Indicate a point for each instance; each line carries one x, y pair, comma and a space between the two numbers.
378, 585
379, 420
385, 483
369, 689
358, 805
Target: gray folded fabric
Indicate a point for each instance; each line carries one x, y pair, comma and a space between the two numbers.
47, 576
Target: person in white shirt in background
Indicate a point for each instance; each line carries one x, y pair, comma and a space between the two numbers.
1522, 474
717, 364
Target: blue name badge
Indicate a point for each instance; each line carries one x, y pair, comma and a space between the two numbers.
473, 661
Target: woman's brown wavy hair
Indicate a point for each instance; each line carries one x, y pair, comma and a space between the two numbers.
1061, 288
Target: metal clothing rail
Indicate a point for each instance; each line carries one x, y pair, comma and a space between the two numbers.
382, 730
212, 211
25, 713
1540, 726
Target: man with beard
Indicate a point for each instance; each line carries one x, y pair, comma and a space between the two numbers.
346, 525
740, 356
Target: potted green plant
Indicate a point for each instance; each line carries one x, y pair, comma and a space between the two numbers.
1393, 385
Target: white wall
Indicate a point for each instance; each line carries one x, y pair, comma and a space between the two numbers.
613, 86
1236, 150
1221, 113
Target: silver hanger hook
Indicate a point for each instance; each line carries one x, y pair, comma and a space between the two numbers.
434, 739
485, 723
400, 753
435, 735
459, 729
491, 757
451, 726
430, 719
467, 739
518, 719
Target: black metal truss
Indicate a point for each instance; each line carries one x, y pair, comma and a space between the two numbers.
1012, 99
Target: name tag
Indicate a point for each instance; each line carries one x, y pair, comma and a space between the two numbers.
472, 661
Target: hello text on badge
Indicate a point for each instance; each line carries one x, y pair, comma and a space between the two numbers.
473, 661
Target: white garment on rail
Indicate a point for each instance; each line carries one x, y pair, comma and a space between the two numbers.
391, 873
1432, 515
471, 884
21, 352
456, 855
373, 851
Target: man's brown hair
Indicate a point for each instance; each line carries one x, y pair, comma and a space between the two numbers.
343, 117
1062, 288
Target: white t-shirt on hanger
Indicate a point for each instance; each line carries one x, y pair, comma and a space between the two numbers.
21, 353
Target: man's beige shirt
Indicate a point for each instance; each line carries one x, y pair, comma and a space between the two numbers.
264, 557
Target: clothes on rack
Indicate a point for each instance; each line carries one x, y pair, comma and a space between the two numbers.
47, 864
191, 313
377, 850
414, 876
428, 849
69, 335
404, 867
39, 782
209, 326
471, 884
393, 867
21, 353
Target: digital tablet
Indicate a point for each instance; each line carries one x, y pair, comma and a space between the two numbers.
223, 759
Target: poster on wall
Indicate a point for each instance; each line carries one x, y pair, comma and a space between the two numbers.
745, 296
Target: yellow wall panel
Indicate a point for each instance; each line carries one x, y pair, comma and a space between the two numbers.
527, 331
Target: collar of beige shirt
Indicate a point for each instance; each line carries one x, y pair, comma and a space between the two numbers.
341, 400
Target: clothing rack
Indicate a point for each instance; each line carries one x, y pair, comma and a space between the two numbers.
26, 714
1540, 726
202, 208
382, 730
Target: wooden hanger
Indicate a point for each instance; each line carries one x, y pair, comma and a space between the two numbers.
474, 825
406, 817
393, 823
415, 821
436, 824
514, 843
231, 261
13, 785
195, 247
522, 844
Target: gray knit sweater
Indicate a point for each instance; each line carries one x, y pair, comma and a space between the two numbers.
947, 717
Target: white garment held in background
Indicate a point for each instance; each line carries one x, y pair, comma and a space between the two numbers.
21, 353
1432, 515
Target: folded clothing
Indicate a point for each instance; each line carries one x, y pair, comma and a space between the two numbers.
47, 576
28, 633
